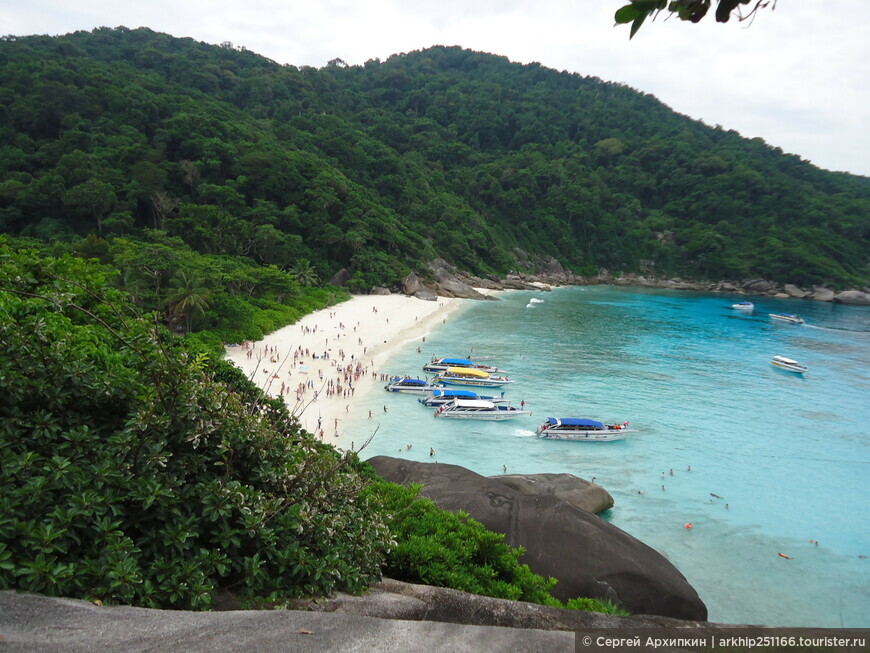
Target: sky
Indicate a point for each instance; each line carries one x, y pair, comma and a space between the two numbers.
797, 76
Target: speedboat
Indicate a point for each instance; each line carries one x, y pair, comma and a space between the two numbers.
467, 376
581, 430
788, 364
440, 397
444, 364
479, 409
409, 385
787, 317
743, 306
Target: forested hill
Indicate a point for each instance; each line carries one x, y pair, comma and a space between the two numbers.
382, 167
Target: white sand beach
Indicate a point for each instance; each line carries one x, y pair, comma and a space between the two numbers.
326, 359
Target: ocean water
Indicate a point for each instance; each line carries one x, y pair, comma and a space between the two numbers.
761, 462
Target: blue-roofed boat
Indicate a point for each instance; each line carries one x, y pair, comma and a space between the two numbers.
744, 306
411, 386
439, 397
581, 430
470, 377
787, 317
443, 364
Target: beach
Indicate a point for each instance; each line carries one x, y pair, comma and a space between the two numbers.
320, 364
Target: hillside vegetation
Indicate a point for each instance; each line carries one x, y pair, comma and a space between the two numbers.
135, 135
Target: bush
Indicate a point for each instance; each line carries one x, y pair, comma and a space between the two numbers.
133, 471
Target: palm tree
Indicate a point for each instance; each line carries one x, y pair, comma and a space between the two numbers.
186, 296
304, 272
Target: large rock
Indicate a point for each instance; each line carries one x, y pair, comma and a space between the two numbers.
34, 624
380, 290
426, 295
822, 294
852, 297
573, 489
411, 284
793, 291
393, 599
590, 557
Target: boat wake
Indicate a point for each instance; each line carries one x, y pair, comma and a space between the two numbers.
523, 433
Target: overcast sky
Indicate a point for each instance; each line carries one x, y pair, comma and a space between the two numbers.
796, 77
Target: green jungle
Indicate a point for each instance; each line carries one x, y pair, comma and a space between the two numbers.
160, 197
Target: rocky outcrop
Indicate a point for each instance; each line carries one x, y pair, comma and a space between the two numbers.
411, 284
380, 290
852, 297
426, 295
587, 555
394, 599
793, 291
340, 278
567, 487
822, 294
30, 623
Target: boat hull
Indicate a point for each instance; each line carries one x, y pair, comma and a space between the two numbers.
494, 416
411, 390
474, 383
608, 435
794, 369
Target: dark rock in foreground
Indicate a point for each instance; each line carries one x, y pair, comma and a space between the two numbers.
35, 624
590, 557
573, 489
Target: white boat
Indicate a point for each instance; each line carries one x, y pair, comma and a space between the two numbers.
469, 377
478, 409
445, 396
787, 317
788, 364
444, 364
411, 386
581, 430
743, 306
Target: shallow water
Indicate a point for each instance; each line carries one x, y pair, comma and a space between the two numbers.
778, 461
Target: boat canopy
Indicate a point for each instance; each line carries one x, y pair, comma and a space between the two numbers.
468, 372
787, 361
456, 361
472, 403
410, 382
572, 421
457, 394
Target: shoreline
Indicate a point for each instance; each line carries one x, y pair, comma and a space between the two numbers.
326, 362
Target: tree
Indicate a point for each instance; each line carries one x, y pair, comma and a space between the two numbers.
304, 272
694, 10
187, 295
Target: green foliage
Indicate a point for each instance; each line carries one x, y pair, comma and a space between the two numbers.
692, 10
137, 136
133, 470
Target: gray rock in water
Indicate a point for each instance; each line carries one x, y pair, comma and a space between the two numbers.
793, 291
852, 297
822, 294
588, 556
570, 488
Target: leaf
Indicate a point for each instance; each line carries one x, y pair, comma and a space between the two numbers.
627, 14
636, 25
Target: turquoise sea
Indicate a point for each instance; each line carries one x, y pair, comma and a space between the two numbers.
759, 461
